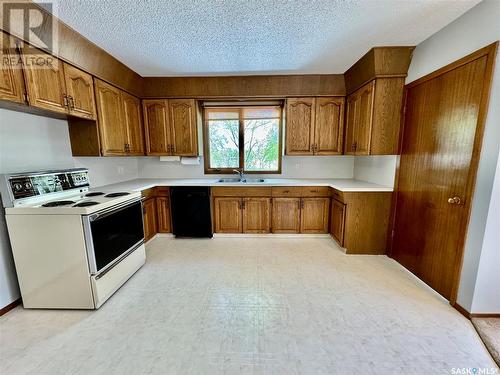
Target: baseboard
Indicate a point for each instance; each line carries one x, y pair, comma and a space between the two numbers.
10, 306
469, 315
270, 235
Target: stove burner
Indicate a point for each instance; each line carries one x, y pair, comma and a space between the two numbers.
114, 195
94, 194
86, 204
57, 203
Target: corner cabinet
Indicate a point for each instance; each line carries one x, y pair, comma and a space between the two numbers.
314, 126
171, 127
373, 118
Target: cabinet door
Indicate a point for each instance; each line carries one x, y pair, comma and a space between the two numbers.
349, 144
329, 126
286, 215
299, 126
364, 114
46, 87
149, 217
183, 130
11, 74
314, 215
109, 111
133, 124
256, 215
163, 214
80, 92
227, 215
156, 127
337, 221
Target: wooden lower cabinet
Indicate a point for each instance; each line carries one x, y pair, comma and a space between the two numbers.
228, 215
314, 216
163, 215
149, 218
286, 215
337, 221
360, 221
256, 215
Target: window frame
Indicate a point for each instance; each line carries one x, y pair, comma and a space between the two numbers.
241, 140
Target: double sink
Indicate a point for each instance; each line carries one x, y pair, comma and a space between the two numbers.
240, 180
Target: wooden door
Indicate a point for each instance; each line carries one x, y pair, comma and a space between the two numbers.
183, 129
227, 215
133, 124
156, 127
256, 215
352, 107
443, 128
163, 214
299, 126
337, 221
314, 215
80, 92
110, 114
364, 120
286, 215
149, 218
46, 87
11, 75
329, 126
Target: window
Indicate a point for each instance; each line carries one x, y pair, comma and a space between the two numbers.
247, 137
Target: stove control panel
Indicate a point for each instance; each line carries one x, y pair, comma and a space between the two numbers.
37, 184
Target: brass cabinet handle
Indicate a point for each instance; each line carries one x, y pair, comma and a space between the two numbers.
354, 146
71, 102
455, 200
243, 204
65, 100
301, 203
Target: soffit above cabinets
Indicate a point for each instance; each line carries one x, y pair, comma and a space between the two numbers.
186, 38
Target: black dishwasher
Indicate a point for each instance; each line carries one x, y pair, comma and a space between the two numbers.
191, 216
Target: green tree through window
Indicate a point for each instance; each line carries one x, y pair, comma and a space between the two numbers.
243, 137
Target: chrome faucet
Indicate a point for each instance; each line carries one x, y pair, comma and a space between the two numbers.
240, 172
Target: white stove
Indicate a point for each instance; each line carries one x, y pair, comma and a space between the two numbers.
73, 247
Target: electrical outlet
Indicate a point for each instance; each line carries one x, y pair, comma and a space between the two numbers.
121, 170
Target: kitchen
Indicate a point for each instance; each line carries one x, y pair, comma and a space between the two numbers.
268, 166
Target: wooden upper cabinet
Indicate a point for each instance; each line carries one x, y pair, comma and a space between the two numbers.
256, 215
315, 213
329, 126
80, 92
183, 128
46, 87
227, 215
286, 215
373, 118
11, 75
111, 123
156, 126
133, 124
300, 117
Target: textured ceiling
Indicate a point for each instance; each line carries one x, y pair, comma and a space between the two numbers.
229, 37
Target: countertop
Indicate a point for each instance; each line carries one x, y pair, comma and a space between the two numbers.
342, 184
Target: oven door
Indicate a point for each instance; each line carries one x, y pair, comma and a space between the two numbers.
112, 234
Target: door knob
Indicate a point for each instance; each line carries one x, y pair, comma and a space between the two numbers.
454, 200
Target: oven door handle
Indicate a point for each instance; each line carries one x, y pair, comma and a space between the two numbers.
112, 210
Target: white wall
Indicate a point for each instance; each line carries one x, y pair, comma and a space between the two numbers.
29, 142
472, 31
292, 167
379, 169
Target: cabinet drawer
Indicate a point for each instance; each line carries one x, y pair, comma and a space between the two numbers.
229, 191
148, 193
290, 191
315, 191
338, 195
162, 191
